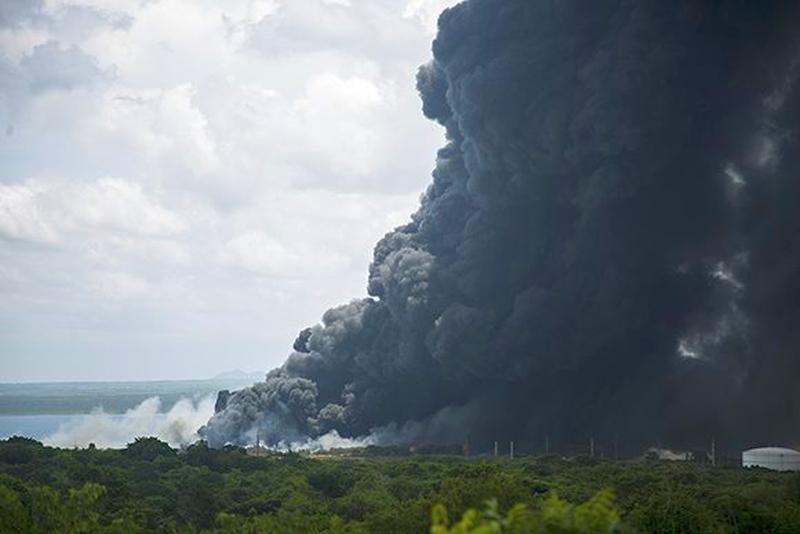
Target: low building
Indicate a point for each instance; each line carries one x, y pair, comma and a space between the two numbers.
658, 453
775, 458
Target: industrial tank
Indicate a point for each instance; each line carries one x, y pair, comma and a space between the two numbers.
775, 458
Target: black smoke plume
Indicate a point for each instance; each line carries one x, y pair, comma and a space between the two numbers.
610, 246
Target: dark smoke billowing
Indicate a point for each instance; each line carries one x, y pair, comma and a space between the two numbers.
610, 245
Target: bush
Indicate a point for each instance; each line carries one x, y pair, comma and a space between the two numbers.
148, 449
596, 516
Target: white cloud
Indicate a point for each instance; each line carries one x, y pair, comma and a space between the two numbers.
427, 11
116, 250
46, 210
50, 66
119, 205
334, 113
179, 173
16, 43
21, 216
162, 125
262, 254
111, 6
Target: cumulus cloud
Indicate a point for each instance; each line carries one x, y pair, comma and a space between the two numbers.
48, 210
18, 12
51, 67
163, 127
426, 11
20, 214
196, 169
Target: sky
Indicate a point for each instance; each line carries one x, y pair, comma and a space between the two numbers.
185, 184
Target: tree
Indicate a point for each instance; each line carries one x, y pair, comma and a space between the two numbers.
148, 449
13, 517
556, 516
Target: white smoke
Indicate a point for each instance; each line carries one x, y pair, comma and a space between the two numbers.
177, 426
326, 442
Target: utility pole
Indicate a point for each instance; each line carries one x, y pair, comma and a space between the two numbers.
258, 442
511, 450
713, 452
591, 446
495, 449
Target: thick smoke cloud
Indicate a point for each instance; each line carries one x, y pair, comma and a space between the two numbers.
608, 248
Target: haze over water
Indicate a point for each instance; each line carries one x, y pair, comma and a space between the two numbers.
109, 413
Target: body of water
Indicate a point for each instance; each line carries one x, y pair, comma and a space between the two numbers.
35, 426
109, 414
70, 398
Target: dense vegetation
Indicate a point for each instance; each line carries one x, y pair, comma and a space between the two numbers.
150, 487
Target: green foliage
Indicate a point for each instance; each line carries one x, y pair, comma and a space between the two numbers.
46, 511
13, 516
555, 516
80, 508
148, 449
149, 487
18, 450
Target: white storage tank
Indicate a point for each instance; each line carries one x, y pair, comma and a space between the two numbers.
775, 458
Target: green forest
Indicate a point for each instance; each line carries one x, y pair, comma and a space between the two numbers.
150, 487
